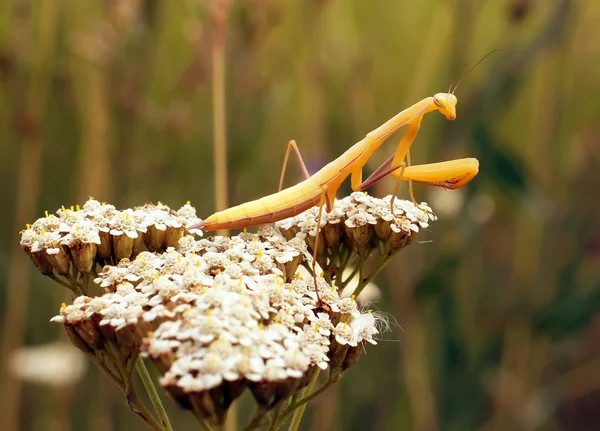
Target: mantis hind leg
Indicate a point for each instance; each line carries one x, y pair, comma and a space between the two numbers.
410, 183
397, 188
410, 186
292, 146
316, 249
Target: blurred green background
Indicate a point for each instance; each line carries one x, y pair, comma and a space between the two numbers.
498, 304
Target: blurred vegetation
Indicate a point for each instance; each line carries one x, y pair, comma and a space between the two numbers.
498, 308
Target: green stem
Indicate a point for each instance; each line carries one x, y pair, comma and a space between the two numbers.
362, 284
137, 406
60, 281
278, 413
102, 365
255, 422
344, 283
299, 407
197, 412
204, 425
81, 289
128, 387
312, 396
152, 394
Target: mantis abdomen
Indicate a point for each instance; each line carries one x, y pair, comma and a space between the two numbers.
277, 206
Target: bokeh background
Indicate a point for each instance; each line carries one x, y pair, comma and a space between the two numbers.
497, 306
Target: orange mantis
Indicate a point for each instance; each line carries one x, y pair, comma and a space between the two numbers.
320, 189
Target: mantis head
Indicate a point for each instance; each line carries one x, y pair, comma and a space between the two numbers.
446, 103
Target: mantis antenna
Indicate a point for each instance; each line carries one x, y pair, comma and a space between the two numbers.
476, 64
454, 76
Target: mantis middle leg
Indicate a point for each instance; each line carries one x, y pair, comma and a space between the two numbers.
292, 146
403, 151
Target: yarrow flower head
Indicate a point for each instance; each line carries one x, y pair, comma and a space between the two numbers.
221, 315
75, 239
356, 227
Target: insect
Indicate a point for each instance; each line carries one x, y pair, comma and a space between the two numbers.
320, 189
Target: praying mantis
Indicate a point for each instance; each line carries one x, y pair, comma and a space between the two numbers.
320, 189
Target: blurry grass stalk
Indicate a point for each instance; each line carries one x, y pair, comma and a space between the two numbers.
220, 12
518, 369
98, 416
44, 33
414, 362
93, 163
93, 159
6, 11
415, 358
299, 412
94, 117
326, 410
513, 375
90, 80
92, 178
423, 75
312, 114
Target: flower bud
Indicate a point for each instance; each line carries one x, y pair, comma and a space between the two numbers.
383, 230
155, 238
77, 341
39, 260
291, 267
352, 356
83, 255
89, 333
122, 246
137, 245
337, 354
104, 250
59, 260
398, 239
173, 235
362, 235
332, 233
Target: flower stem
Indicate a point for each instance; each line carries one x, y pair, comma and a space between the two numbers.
255, 421
299, 407
60, 281
197, 412
132, 398
362, 284
152, 394
102, 365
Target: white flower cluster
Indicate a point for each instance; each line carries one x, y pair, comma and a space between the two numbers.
223, 310
359, 210
358, 228
99, 231
271, 332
